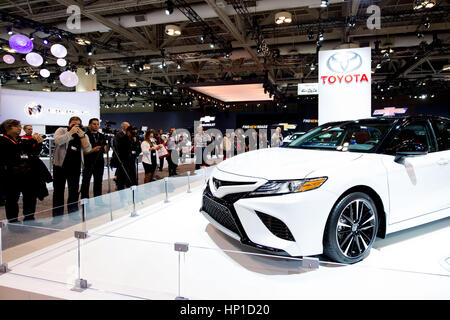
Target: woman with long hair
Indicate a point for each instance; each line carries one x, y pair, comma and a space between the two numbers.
149, 148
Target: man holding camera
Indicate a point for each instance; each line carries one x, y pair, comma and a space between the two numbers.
127, 149
172, 145
94, 163
20, 170
68, 158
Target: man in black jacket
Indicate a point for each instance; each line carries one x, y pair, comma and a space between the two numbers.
94, 163
127, 149
16, 167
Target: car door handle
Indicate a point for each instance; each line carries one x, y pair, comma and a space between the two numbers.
442, 162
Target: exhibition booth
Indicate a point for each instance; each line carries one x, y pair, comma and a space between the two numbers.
152, 242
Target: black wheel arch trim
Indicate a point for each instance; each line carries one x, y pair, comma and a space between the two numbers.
378, 203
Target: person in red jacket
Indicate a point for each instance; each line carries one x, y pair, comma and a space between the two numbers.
28, 129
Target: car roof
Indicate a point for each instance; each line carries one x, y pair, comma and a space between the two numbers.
390, 118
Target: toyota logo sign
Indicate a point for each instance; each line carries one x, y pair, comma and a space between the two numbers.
344, 62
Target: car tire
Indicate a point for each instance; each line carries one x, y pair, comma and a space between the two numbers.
351, 229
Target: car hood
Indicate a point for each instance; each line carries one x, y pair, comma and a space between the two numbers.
284, 163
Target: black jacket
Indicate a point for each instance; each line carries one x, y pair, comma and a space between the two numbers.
20, 165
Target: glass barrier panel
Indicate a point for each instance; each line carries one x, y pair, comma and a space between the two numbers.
107, 207
149, 193
131, 267
26, 235
28, 251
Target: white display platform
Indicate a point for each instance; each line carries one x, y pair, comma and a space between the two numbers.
406, 265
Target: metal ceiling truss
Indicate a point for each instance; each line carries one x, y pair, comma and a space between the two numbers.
187, 10
240, 6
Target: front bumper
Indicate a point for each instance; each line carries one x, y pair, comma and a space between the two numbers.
292, 223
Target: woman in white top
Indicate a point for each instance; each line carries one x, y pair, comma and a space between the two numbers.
149, 148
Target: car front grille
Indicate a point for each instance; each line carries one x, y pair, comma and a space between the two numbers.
276, 226
219, 213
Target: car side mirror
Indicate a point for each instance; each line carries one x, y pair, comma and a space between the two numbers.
410, 149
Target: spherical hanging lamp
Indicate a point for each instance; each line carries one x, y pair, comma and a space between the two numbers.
61, 62
9, 59
44, 73
20, 43
58, 50
68, 78
34, 59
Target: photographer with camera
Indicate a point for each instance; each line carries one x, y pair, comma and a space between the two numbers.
21, 170
68, 158
127, 151
94, 163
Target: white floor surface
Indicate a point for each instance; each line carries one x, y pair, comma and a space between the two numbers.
411, 264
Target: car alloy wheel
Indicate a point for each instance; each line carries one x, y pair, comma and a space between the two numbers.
351, 229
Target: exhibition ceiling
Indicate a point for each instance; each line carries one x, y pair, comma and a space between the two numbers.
159, 44
237, 92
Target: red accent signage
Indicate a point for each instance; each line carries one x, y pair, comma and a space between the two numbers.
344, 78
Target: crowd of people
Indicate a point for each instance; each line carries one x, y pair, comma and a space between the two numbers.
79, 152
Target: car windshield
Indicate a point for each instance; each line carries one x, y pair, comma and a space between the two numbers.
357, 136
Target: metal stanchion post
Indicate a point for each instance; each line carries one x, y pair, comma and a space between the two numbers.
79, 282
189, 182
166, 187
83, 203
133, 189
180, 247
3, 266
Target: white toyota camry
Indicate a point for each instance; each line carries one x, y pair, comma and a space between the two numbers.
336, 188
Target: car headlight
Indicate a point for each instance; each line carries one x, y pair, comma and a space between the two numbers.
288, 186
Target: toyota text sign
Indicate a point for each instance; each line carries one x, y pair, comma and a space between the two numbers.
344, 84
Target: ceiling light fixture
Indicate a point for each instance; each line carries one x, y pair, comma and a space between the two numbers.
89, 50
61, 62
58, 50
82, 42
283, 17
320, 36
20, 43
421, 4
44, 73
8, 59
34, 59
169, 7
173, 30
324, 3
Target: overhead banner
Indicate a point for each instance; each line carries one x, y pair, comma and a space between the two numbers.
48, 108
344, 84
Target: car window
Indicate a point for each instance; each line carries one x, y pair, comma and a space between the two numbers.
358, 136
414, 132
442, 131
